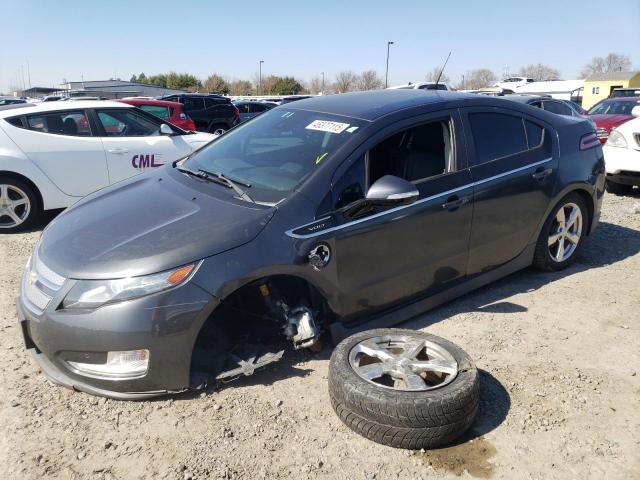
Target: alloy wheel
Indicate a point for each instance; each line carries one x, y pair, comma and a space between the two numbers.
403, 362
566, 231
15, 206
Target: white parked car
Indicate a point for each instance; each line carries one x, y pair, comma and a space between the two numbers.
513, 83
421, 86
622, 156
54, 153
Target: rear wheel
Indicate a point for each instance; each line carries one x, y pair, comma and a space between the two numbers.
19, 206
618, 188
218, 129
562, 234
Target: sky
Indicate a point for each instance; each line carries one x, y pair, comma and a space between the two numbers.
96, 40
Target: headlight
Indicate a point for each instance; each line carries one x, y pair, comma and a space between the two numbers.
95, 293
616, 139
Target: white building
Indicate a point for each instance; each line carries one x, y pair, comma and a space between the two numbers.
560, 89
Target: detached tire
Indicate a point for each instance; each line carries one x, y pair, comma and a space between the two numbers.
397, 398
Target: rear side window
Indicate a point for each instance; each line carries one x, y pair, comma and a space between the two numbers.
61, 123
191, 104
157, 110
557, 107
497, 135
243, 107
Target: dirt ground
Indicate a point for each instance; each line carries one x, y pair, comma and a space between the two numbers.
560, 392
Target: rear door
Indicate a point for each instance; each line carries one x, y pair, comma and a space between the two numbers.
63, 145
514, 161
133, 143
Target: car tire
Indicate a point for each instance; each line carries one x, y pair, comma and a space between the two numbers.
19, 205
549, 256
398, 417
218, 129
618, 188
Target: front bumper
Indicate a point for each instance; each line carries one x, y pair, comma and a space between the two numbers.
622, 165
166, 323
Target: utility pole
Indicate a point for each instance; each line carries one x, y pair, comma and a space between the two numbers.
322, 89
260, 78
386, 75
463, 81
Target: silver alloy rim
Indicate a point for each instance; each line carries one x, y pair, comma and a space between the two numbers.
566, 231
219, 131
14, 206
405, 362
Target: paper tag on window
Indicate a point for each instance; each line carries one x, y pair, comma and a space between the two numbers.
327, 126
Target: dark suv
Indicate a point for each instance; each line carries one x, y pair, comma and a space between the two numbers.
211, 113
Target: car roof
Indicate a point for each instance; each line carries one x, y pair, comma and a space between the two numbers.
525, 98
57, 106
374, 104
143, 101
620, 99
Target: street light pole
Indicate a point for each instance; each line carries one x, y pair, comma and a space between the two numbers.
260, 84
386, 75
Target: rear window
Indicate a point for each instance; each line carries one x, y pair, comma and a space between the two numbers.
557, 107
158, 110
497, 135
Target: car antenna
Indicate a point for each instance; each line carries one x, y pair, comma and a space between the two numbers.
442, 70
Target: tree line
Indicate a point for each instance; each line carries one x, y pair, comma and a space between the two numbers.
350, 81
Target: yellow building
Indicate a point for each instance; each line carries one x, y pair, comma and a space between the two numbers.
600, 85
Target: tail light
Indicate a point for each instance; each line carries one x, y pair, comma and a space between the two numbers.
236, 112
588, 141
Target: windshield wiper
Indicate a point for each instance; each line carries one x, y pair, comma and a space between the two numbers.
218, 177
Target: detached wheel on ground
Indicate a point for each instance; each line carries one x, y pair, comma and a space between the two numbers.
618, 188
19, 206
562, 234
403, 388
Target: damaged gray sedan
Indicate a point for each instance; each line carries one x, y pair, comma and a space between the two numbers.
316, 219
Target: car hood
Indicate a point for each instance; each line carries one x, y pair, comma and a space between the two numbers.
610, 121
196, 140
148, 224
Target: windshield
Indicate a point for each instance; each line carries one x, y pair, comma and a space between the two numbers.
276, 151
613, 108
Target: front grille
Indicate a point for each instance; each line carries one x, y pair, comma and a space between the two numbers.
39, 285
601, 133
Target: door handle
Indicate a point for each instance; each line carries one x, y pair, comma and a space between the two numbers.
541, 173
454, 202
118, 151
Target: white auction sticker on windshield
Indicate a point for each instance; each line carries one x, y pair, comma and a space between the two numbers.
327, 126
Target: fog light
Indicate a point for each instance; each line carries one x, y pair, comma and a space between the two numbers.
119, 366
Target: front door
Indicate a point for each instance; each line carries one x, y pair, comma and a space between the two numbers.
514, 161
391, 254
133, 144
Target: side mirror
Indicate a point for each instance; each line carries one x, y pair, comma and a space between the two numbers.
635, 111
166, 130
391, 190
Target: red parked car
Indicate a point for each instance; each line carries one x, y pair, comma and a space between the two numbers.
172, 112
610, 113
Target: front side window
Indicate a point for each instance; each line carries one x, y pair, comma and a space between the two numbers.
243, 107
497, 135
277, 151
159, 111
415, 154
127, 123
72, 123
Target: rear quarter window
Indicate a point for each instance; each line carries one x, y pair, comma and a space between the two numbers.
15, 121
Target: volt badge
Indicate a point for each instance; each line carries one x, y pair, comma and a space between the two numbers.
319, 256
